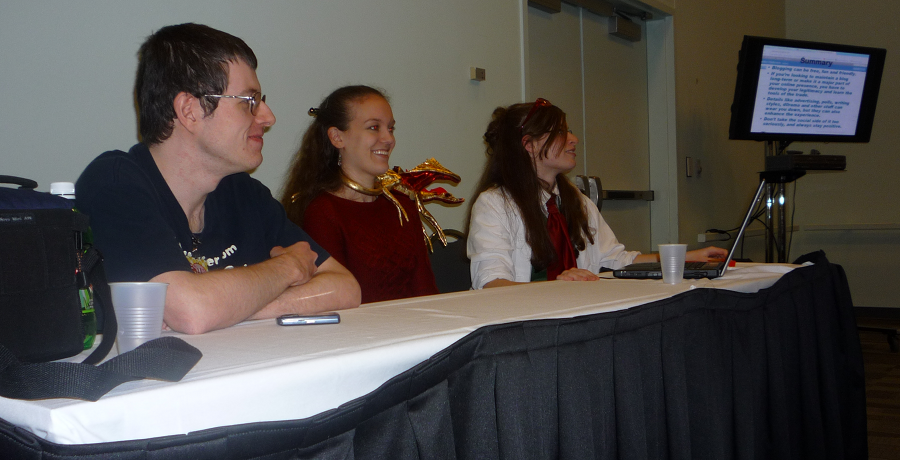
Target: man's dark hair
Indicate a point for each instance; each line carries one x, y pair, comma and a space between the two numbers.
190, 58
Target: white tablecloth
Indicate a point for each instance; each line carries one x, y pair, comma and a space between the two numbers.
259, 371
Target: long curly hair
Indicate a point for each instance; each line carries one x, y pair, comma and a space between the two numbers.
316, 167
512, 168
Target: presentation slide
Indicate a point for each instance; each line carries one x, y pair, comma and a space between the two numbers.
805, 91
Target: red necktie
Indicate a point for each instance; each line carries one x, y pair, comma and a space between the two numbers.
559, 236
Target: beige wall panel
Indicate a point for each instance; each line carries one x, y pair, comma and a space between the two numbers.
616, 126
554, 59
608, 113
708, 36
867, 193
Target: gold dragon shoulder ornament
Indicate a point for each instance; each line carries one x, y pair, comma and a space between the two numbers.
413, 183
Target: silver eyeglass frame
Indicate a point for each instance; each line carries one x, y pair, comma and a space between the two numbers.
254, 103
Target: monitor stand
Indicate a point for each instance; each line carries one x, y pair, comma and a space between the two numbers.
776, 221
767, 179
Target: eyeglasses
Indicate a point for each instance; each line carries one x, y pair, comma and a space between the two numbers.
254, 100
540, 102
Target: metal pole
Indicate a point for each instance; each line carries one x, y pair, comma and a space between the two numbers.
781, 236
776, 220
771, 150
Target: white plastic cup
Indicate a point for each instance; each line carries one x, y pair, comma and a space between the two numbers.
139, 311
671, 259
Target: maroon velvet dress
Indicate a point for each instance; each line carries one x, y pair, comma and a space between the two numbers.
390, 261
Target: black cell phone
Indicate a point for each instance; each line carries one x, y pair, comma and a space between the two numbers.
305, 320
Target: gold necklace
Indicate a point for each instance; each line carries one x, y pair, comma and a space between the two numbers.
381, 190
353, 185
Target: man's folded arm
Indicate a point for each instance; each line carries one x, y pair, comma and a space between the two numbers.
198, 303
333, 287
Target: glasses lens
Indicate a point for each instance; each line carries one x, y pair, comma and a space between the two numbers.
254, 103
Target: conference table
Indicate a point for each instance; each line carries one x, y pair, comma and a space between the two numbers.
331, 389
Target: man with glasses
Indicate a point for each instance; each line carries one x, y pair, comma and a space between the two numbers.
179, 207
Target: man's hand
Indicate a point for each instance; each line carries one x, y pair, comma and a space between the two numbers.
705, 254
577, 274
300, 256
332, 287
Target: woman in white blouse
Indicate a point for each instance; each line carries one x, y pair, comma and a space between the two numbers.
528, 221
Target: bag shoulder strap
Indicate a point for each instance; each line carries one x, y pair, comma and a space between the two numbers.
91, 265
165, 358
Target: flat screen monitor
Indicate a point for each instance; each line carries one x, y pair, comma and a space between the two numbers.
791, 90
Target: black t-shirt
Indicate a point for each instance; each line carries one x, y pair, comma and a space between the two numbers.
142, 231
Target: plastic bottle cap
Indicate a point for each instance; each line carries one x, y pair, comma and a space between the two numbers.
63, 189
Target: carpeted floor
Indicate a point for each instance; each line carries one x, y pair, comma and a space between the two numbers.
882, 388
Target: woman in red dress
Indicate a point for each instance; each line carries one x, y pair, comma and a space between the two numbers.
332, 193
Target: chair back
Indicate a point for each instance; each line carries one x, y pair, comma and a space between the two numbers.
450, 264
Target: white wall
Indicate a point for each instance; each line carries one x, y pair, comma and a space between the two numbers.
68, 69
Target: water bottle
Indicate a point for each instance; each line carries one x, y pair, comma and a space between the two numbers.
85, 290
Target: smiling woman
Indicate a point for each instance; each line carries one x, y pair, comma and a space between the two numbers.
332, 193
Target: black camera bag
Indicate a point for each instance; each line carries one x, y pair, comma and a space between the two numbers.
40, 311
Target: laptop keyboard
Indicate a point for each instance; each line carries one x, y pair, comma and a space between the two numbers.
694, 265
649, 266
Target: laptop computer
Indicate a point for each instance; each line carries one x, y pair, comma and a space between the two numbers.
693, 270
